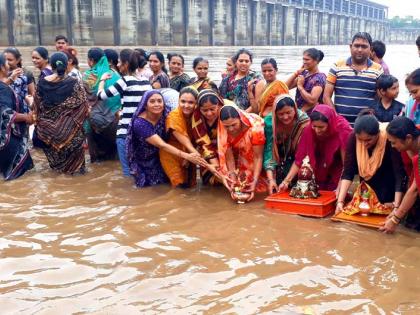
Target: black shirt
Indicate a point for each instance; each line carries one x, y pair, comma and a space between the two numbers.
387, 115
389, 177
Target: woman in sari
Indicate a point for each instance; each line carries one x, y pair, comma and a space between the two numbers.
40, 61
61, 107
309, 81
101, 134
159, 79
370, 155
283, 129
21, 81
268, 89
324, 141
202, 81
405, 137
15, 159
239, 86
240, 141
179, 79
204, 131
146, 137
178, 127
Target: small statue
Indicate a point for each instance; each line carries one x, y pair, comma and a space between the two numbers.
306, 186
239, 186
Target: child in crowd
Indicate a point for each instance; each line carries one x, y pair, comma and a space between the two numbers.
387, 107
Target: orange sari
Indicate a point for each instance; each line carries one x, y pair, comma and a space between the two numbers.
270, 93
242, 146
172, 164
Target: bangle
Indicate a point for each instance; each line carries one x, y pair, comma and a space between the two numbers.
340, 202
102, 80
11, 79
180, 153
397, 217
394, 220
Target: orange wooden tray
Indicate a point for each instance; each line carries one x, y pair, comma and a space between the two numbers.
319, 207
373, 220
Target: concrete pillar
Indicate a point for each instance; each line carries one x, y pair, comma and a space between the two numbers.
6, 23
25, 23
289, 25
136, 26
332, 30
223, 31
103, 23
276, 35
302, 20
243, 34
170, 23
198, 23
324, 28
83, 24
260, 24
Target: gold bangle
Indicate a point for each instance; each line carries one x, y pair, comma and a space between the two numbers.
394, 220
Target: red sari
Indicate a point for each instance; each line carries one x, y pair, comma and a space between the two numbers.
325, 152
242, 146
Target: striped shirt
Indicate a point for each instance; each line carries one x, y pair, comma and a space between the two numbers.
131, 90
354, 90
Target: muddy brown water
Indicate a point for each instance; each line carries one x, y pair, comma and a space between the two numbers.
95, 244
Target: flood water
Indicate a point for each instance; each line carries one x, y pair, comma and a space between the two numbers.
95, 244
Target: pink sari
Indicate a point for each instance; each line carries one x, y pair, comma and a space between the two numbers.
325, 152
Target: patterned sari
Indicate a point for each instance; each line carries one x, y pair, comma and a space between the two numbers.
203, 84
280, 149
205, 137
237, 90
271, 91
242, 146
180, 81
15, 159
172, 164
61, 108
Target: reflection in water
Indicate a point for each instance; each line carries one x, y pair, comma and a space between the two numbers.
96, 244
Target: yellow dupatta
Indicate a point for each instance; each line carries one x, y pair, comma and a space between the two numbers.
269, 95
369, 165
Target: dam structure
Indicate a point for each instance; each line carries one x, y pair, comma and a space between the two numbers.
190, 22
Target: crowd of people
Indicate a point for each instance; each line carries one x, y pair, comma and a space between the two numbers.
249, 131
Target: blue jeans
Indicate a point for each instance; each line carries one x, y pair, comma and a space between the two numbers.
123, 156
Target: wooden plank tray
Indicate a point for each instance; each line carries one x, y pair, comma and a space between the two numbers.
372, 221
319, 207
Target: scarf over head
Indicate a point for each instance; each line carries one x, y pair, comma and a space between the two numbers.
271, 92
130, 131
336, 137
199, 127
301, 120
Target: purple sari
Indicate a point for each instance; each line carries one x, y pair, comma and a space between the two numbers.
311, 81
143, 158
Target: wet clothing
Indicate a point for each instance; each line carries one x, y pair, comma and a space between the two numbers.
61, 108
15, 158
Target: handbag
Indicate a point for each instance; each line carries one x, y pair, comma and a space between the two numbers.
101, 117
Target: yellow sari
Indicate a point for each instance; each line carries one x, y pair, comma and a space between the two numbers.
270, 93
172, 164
